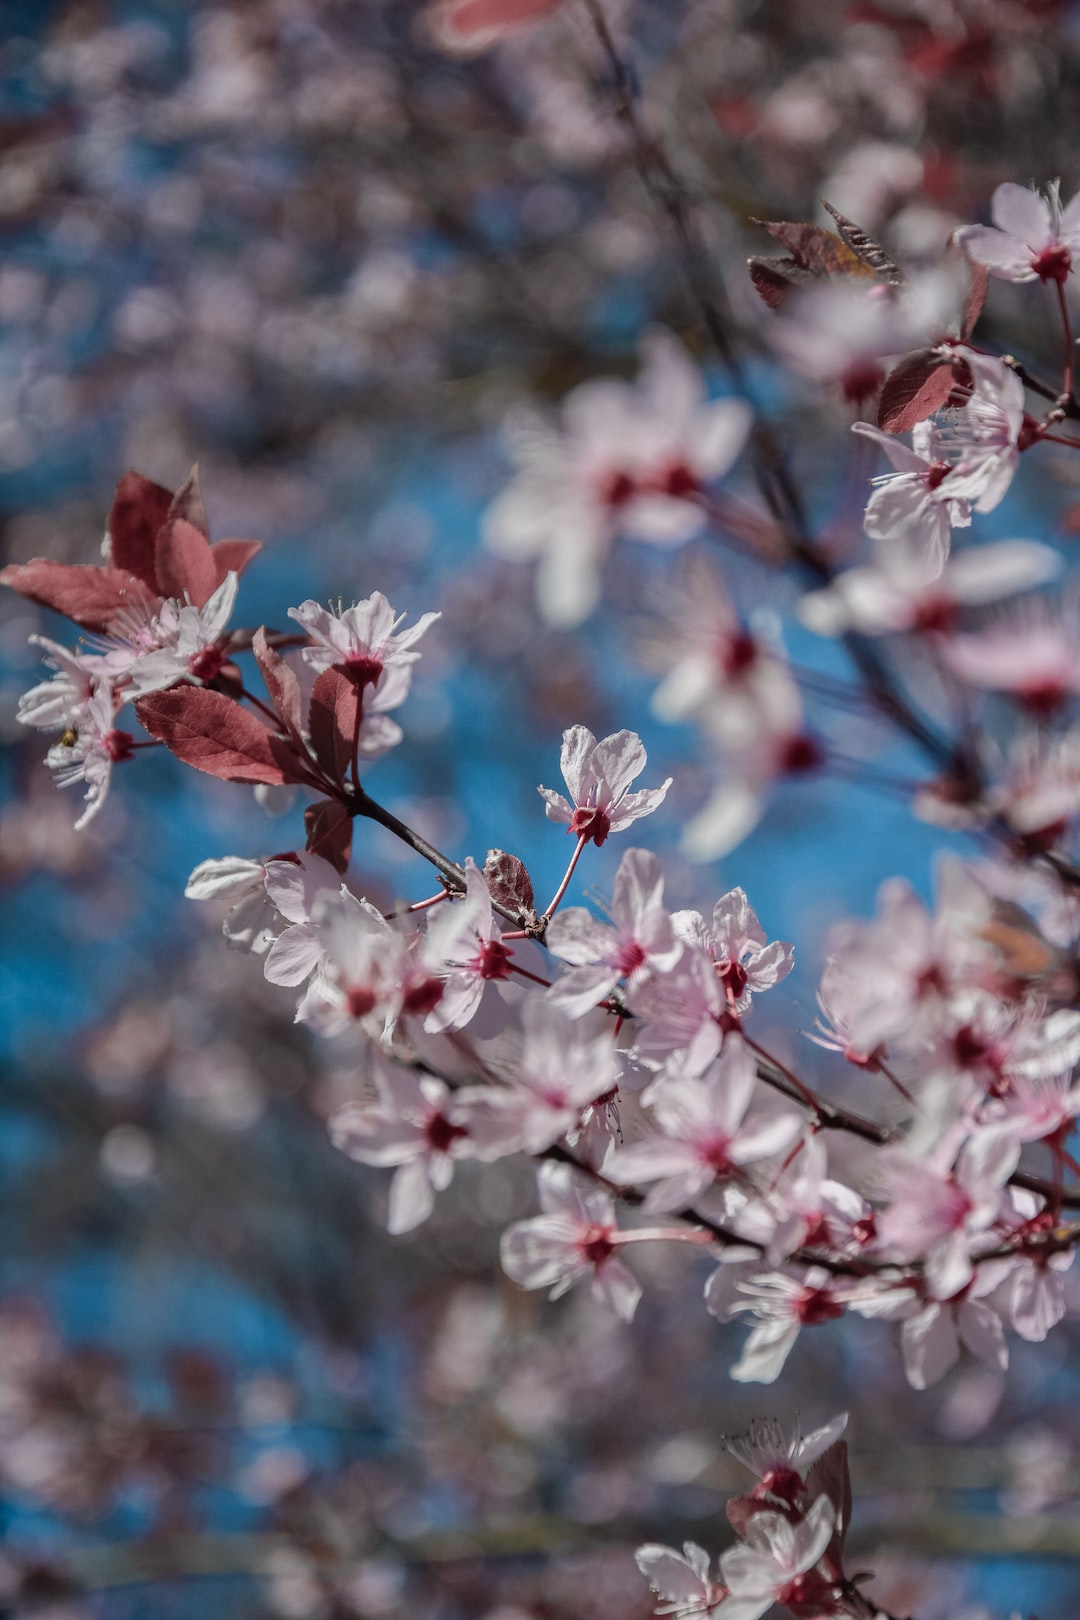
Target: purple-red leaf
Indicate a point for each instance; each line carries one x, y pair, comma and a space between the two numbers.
185, 563
139, 509
830, 1477
281, 683
508, 881
233, 556
872, 254
976, 297
210, 732
914, 389
187, 503
333, 716
329, 832
815, 255
91, 596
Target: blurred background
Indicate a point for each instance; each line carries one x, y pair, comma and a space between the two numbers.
295, 243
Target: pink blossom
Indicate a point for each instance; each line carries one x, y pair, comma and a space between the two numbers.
629, 459
1034, 654
916, 507
776, 1562
418, 1124
364, 638
682, 1580
91, 753
463, 945
937, 1213
184, 642
640, 944
58, 703
745, 961
782, 1462
359, 961
930, 1338
703, 1134
297, 886
598, 775
982, 437
894, 596
576, 1237
1034, 239
782, 1304
560, 1075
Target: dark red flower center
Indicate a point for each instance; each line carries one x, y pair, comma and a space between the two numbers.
589, 822
423, 996
120, 745
364, 669
207, 664
596, 1245
440, 1134
495, 959
1052, 264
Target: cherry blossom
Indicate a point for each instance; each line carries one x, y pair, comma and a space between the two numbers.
629, 459
682, 1580
91, 752
782, 1305
184, 642
560, 1074
417, 1124
937, 1212
1033, 653
983, 437
640, 943
464, 946
364, 638
58, 703
704, 1132
895, 596
746, 962
1032, 238
781, 1462
576, 1237
598, 775
776, 1564
916, 507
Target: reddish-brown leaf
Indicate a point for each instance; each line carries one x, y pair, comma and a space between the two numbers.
872, 254
830, 1477
509, 883
976, 297
814, 249
329, 832
281, 683
91, 596
210, 732
188, 503
185, 562
138, 511
914, 389
233, 556
332, 720
775, 279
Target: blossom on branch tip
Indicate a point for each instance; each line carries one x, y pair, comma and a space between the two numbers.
363, 639
1033, 237
598, 775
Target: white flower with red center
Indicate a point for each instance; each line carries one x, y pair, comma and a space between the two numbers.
719, 670
559, 1078
297, 886
577, 1236
629, 459
640, 943
359, 961
704, 1133
56, 704
463, 946
933, 1331
937, 1212
778, 1562
782, 1305
1032, 239
916, 507
895, 596
598, 775
746, 962
94, 748
1033, 654
781, 1462
679, 1016
364, 638
186, 642
682, 1580
417, 1124
982, 438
